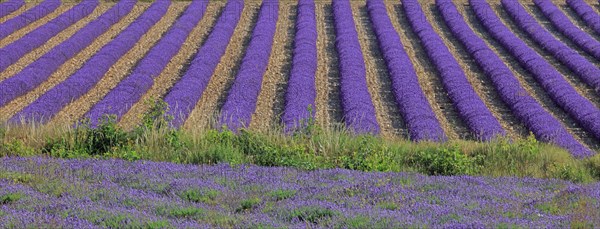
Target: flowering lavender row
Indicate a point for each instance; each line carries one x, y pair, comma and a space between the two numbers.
28, 17
10, 6
301, 91
241, 101
47, 105
589, 73
38, 71
184, 95
585, 12
14, 51
50, 193
544, 126
120, 99
577, 106
359, 112
416, 110
560, 21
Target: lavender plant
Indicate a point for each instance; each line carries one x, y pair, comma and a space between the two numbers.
29, 16
10, 6
543, 125
47, 105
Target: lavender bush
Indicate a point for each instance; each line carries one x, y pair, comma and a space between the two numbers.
589, 73
14, 51
359, 112
543, 125
561, 22
241, 101
577, 106
113, 193
38, 71
47, 105
120, 99
184, 95
10, 6
586, 13
471, 108
29, 16
301, 91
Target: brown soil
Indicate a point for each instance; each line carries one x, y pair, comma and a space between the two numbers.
53, 42
25, 30
328, 110
120, 69
176, 67
216, 91
69, 67
271, 100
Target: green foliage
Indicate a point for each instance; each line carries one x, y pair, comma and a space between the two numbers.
311, 147
445, 161
312, 214
248, 204
10, 198
188, 212
388, 205
282, 194
207, 196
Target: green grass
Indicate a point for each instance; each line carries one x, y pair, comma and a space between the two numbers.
312, 148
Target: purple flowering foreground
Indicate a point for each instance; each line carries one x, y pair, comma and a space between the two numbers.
42, 192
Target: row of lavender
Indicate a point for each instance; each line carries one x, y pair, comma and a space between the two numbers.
10, 6
37, 72
47, 105
51, 193
34, 39
356, 101
26, 18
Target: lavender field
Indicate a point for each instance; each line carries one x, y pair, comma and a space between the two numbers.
49, 193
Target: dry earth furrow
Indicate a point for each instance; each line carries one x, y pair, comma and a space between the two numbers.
121, 68
329, 111
427, 75
581, 87
176, 67
206, 111
271, 100
34, 25
482, 84
53, 42
72, 65
527, 80
378, 78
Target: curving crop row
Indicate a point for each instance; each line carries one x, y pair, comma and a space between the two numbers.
10, 6
587, 71
585, 12
544, 126
14, 51
560, 21
37, 72
241, 101
120, 99
301, 91
184, 95
359, 112
47, 105
416, 111
29, 16
577, 106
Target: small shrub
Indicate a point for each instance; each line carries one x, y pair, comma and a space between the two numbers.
445, 161
282, 194
10, 198
312, 214
207, 196
248, 204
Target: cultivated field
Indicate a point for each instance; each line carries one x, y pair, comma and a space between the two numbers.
376, 67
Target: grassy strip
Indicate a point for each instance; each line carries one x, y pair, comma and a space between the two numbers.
311, 148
